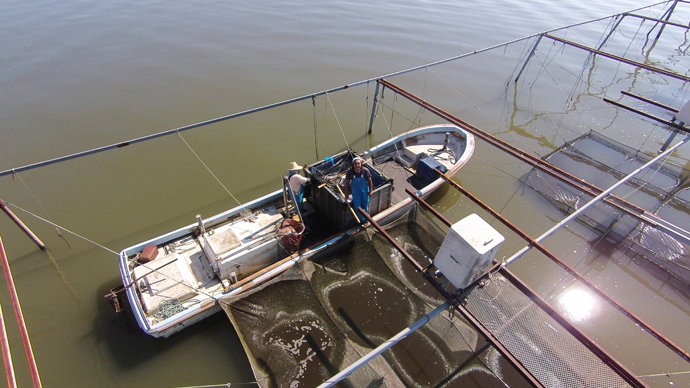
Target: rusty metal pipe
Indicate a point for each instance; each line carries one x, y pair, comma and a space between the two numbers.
21, 225
581, 184
658, 21
621, 59
647, 100
545, 166
630, 315
609, 360
35, 378
584, 339
6, 354
647, 115
466, 314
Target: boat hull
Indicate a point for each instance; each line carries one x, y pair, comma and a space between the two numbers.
195, 313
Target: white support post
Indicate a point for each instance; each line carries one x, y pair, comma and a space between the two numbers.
383, 347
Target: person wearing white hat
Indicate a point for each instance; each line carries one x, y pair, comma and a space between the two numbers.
297, 183
358, 180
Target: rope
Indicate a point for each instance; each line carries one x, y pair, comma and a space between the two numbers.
395, 98
669, 374
412, 121
336, 120
432, 353
168, 308
211, 172
32, 194
227, 385
62, 228
41, 206
569, 97
484, 112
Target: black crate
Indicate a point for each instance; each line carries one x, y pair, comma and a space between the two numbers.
329, 201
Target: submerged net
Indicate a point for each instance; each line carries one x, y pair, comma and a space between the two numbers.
550, 353
319, 317
663, 190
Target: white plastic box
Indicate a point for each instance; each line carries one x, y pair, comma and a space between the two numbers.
470, 245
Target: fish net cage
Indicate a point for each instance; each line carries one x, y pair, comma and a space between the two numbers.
663, 190
322, 315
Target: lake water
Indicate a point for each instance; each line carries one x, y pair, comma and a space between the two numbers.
78, 75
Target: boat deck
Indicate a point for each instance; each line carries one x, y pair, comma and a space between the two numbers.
403, 179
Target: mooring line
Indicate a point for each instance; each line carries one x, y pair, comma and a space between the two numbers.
211, 172
60, 227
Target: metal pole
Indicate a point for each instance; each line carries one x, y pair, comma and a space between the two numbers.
316, 141
583, 338
662, 21
531, 53
519, 367
289, 101
647, 100
668, 141
545, 166
6, 355
647, 115
621, 59
20, 318
618, 22
383, 347
373, 107
596, 200
21, 225
668, 16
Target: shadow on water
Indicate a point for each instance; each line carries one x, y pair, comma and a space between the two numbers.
353, 326
130, 347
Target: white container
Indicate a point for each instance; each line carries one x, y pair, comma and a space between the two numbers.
470, 245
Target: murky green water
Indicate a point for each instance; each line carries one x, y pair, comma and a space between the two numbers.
80, 75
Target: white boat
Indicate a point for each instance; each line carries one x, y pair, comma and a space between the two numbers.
178, 279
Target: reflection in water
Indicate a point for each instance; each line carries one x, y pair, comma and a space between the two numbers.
577, 305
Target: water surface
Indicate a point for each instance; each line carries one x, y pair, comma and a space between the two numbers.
78, 75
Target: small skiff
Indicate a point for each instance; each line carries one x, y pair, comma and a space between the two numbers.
177, 279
